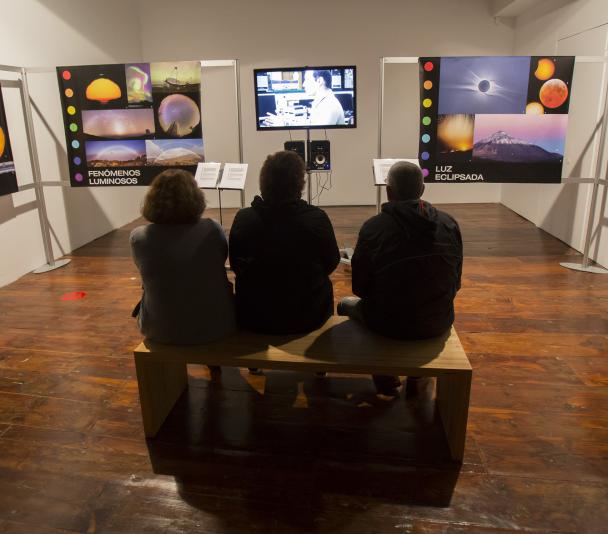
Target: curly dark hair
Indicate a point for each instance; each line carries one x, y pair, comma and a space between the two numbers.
282, 177
174, 198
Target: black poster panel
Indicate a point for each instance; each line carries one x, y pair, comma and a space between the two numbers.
126, 123
494, 119
8, 177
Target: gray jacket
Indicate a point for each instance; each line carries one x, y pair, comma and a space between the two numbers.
187, 297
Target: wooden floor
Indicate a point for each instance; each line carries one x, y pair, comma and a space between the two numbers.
290, 453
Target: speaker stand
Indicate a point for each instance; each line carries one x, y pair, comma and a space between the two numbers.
308, 170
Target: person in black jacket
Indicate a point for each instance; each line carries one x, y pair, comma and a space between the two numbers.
282, 251
406, 267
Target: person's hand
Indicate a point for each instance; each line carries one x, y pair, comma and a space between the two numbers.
273, 120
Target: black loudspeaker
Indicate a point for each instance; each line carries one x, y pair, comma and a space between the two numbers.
297, 147
319, 158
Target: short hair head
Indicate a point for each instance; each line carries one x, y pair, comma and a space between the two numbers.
174, 198
325, 74
405, 181
282, 178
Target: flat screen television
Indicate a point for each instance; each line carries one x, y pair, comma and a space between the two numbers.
305, 97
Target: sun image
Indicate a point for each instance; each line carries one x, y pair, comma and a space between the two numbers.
103, 90
456, 132
545, 69
534, 108
2, 141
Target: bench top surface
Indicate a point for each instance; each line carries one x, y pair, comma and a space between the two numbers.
339, 345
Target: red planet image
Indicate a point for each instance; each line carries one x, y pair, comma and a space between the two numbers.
553, 93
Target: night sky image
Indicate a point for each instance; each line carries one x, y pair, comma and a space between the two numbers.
116, 153
118, 123
178, 115
169, 152
474, 85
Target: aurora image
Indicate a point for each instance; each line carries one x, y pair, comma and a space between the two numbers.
176, 76
175, 152
118, 123
116, 153
139, 83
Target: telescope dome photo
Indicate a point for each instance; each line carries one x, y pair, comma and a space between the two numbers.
169, 152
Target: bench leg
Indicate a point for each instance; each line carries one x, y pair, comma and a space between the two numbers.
160, 385
453, 392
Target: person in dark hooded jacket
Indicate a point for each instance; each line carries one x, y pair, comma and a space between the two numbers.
406, 267
282, 251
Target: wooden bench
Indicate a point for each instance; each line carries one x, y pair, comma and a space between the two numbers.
340, 345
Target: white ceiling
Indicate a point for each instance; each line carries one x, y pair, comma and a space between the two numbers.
514, 8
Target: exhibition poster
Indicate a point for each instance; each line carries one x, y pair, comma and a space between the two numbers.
8, 178
126, 123
494, 119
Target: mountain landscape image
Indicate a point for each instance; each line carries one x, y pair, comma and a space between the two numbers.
500, 146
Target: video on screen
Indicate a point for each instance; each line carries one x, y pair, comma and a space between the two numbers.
308, 97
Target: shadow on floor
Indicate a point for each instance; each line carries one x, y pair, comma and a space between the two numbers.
288, 445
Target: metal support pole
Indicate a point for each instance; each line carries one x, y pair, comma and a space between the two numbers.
308, 173
584, 265
380, 116
51, 264
237, 85
219, 196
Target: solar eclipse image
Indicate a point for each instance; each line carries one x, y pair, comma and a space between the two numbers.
475, 85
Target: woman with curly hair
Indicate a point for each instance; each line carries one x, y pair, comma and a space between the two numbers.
187, 298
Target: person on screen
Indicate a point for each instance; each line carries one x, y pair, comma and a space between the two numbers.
187, 298
326, 109
282, 251
406, 268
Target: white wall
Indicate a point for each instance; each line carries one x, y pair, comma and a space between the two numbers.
276, 33
577, 28
260, 34
49, 33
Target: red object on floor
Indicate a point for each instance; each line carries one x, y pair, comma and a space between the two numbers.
74, 295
